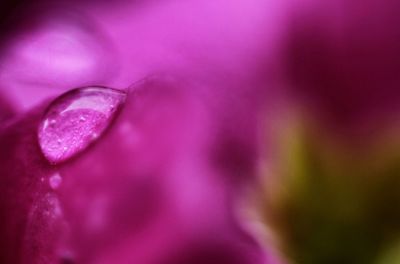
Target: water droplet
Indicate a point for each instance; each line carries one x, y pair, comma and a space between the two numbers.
76, 119
55, 181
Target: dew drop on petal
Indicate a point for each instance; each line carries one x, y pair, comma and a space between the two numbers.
76, 119
55, 181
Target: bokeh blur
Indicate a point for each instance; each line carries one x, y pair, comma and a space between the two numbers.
200, 132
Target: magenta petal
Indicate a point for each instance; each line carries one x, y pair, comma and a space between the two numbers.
7, 111
29, 212
147, 188
146, 192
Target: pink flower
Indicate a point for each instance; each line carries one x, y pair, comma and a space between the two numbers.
145, 191
151, 175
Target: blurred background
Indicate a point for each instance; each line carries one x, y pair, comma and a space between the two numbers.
253, 131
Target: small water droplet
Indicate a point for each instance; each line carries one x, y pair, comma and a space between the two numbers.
77, 118
55, 181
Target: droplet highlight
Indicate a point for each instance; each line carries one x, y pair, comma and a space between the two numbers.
55, 181
76, 119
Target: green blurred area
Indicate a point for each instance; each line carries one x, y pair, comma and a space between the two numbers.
336, 206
